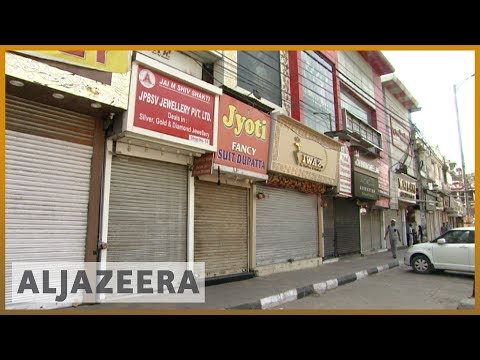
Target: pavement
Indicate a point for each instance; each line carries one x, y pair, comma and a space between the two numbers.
267, 292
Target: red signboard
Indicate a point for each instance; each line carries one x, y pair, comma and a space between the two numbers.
383, 202
203, 165
383, 179
243, 136
167, 106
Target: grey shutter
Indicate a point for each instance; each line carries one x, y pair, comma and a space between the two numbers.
221, 228
366, 231
148, 211
347, 226
377, 235
287, 226
47, 185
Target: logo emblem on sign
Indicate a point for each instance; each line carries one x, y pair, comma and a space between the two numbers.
147, 78
307, 160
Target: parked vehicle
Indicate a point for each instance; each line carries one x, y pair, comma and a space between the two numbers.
453, 250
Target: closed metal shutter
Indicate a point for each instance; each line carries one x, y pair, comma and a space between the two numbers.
287, 226
365, 231
347, 226
221, 228
47, 185
377, 234
370, 230
329, 229
148, 211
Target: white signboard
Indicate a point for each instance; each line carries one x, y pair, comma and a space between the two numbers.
345, 173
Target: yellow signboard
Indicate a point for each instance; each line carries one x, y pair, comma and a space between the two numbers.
116, 61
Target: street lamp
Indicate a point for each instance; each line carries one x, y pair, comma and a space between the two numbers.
467, 203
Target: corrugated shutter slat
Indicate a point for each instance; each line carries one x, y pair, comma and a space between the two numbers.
221, 228
347, 226
287, 226
46, 200
148, 211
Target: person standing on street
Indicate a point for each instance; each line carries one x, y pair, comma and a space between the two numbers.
420, 233
393, 236
443, 229
409, 235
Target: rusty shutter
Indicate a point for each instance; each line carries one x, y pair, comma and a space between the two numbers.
221, 228
47, 167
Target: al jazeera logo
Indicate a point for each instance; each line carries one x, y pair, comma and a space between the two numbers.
146, 78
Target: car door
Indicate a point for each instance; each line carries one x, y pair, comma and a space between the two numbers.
471, 251
454, 254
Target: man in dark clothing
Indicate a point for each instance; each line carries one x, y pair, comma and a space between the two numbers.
420, 233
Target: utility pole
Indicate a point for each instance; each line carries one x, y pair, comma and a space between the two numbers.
421, 194
465, 191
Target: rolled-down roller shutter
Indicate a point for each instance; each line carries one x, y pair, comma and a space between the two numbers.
287, 226
366, 231
221, 228
47, 167
376, 229
371, 231
347, 226
148, 211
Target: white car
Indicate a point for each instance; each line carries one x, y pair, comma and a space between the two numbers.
453, 250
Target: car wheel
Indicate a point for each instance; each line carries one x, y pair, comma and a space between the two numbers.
421, 265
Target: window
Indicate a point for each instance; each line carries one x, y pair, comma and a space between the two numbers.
457, 237
317, 89
260, 71
471, 237
361, 129
355, 106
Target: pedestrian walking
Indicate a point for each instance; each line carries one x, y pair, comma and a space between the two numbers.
409, 235
415, 235
443, 229
420, 233
393, 236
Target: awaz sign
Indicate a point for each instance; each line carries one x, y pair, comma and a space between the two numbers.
72, 282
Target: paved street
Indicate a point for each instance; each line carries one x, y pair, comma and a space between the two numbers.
398, 288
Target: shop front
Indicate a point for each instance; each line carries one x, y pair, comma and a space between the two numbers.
334, 223
365, 190
288, 208
407, 198
223, 190
149, 190
53, 163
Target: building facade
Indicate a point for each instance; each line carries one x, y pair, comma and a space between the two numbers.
57, 107
399, 104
